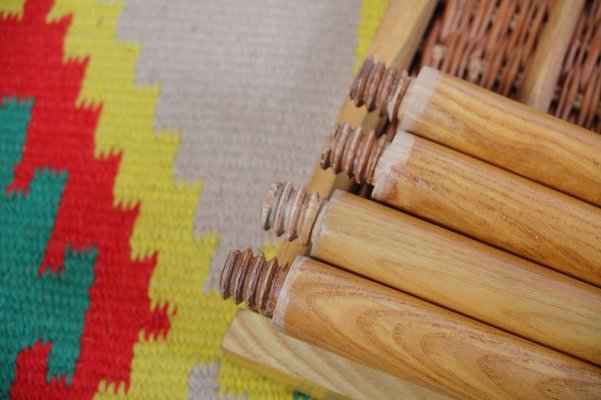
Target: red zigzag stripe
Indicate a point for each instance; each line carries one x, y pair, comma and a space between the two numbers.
60, 136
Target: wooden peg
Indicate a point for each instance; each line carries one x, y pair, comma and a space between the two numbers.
474, 198
540, 80
409, 338
492, 128
252, 343
395, 42
442, 267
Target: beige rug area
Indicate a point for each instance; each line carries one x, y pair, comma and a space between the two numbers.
254, 85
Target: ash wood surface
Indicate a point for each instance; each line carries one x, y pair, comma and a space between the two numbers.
504, 132
540, 80
251, 342
401, 31
491, 205
417, 341
395, 42
461, 274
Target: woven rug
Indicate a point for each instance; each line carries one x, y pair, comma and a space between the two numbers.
137, 140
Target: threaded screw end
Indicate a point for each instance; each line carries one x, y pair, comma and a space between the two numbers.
252, 279
290, 211
353, 152
379, 87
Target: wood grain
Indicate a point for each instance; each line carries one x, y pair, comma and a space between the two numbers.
401, 31
251, 342
417, 341
505, 133
395, 42
490, 205
540, 80
461, 274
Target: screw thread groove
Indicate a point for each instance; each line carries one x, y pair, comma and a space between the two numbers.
290, 211
353, 152
379, 87
252, 279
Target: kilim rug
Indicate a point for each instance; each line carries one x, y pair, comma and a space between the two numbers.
137, 140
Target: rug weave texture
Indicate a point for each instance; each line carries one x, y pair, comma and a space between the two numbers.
137, 140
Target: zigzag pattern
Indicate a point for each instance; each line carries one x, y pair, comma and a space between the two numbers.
61, 136
121, 198
164, 225
51, 307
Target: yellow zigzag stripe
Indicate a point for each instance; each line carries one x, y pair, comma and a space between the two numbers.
372, 12
12, 7
161, 366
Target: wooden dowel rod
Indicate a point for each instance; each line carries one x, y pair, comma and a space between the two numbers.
442, 267
251, 342
405, 21
395, 42
402, 335
490, 127
474, 198
401, 30
540, 80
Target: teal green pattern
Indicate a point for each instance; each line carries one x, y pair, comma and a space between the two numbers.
33, 306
